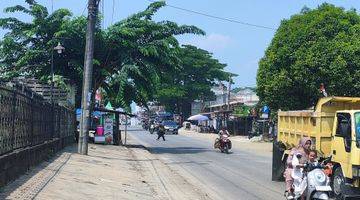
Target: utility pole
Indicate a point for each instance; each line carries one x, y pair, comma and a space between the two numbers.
228, 103
93, 6
229, 89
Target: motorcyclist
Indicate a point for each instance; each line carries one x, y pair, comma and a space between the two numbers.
302, 155
222, 132
313, 158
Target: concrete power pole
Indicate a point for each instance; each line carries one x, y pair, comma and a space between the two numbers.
93, 6
228, 97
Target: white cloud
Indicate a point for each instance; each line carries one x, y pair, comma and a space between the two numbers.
212, 42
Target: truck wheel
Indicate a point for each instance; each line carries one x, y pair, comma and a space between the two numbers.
338, 182
278, 166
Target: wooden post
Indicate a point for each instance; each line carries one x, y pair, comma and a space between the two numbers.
117, 129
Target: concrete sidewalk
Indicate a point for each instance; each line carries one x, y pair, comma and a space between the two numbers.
240, 142
108, 172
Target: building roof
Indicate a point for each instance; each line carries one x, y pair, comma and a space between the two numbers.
224, 104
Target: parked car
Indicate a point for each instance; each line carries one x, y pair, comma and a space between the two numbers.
171, 127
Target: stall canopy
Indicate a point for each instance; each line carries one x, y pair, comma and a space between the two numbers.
96, 114
198, 118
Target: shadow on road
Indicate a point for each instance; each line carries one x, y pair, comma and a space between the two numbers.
134, 146
177, 150
230, 152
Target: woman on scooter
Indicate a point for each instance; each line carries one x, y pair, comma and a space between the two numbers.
223, 132
303, 149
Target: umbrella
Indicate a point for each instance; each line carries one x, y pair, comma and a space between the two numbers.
198, 118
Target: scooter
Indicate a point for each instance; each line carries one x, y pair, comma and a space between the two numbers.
315, 184
152, 128
224, 144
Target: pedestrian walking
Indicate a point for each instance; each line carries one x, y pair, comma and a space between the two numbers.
161, 132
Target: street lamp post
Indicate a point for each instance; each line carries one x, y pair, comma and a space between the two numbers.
59, 49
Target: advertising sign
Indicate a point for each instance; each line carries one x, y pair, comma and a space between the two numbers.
108, 129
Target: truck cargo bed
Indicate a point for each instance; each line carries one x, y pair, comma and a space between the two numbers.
317, 123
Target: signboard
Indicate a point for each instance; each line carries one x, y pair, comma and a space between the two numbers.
265, 115
99, 139
265, 112
108, 129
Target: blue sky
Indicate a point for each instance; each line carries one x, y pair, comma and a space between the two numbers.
239, 46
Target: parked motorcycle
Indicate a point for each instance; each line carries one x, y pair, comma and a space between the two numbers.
315, 184
224, 144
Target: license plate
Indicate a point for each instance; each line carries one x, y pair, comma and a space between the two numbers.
323, 188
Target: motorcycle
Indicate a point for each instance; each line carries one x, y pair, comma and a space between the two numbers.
152, 128
145, 125
314, 184
224, 144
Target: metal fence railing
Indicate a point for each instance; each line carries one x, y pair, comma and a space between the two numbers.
26, 119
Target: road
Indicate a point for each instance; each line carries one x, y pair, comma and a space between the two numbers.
243, 174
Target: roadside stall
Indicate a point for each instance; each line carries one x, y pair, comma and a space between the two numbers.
105, 127
108, 130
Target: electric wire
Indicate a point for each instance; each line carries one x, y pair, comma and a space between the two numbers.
84, 8
217, 17
103, 13
113, 11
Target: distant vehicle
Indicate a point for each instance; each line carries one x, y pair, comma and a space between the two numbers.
171, 127
187, 125
223, 143
152, 128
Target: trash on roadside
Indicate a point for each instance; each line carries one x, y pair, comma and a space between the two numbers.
256, 138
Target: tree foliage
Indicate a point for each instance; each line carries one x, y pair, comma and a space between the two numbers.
197, 73
26, 48
316, 46
129, 59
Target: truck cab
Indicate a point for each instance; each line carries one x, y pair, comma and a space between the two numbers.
345, 150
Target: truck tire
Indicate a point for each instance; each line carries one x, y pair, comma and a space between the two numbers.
337, 183
278, 166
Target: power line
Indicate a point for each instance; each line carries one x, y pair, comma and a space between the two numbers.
219, 18
113, 11
103, 13
84, 8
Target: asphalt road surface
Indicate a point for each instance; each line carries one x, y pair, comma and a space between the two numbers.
242, 174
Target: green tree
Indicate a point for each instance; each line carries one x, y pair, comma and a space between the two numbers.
26, 48
316, 46
129, 56
242, 111
192, 80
